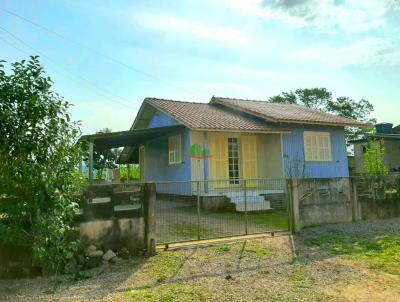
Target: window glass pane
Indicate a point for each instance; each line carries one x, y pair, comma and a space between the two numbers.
174, 149
233, 160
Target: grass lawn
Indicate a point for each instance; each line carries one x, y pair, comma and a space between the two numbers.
348, 262
381, 252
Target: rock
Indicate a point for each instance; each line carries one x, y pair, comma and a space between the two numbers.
124, 253
115, 260
98, 253
109, 255
94, 261
91, 248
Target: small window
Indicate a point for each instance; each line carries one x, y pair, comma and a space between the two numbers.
317, 146
174, 149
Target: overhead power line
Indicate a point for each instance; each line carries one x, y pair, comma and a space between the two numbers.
114, 60
72, 76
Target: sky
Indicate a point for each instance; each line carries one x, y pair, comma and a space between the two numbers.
105, 57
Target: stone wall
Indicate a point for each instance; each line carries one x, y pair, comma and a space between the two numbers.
337, 200
115, 216
326, 200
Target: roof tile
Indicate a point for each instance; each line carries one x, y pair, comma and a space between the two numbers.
286, 113
211, 117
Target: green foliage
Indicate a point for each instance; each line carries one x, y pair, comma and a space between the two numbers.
379, 252
39, 182
104, 158
321, 99
134, 173
374, 159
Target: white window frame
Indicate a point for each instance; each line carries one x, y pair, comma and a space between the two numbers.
175, 149
317, 146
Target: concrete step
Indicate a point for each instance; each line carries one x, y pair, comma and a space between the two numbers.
127, 210
264, 205
100, 200
126, 207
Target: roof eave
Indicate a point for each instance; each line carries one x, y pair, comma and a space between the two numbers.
244, 130
167, 113
355, 125
237, 108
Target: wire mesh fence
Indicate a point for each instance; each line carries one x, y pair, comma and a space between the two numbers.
196, 210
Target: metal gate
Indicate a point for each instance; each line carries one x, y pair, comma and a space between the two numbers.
197, 210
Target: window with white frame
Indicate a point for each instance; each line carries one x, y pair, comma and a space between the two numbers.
174, 149
317, 146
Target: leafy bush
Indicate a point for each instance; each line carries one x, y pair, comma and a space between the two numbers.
39, 182
374, 159
134, 173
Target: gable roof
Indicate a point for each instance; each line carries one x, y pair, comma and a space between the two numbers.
285, 113
202, 116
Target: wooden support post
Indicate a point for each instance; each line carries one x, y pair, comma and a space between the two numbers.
128, 167
91, 145
150, 218
294, 204
355, 209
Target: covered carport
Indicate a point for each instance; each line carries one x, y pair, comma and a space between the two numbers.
130, 140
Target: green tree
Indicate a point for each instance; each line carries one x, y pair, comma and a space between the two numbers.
321, 99
374, 159
39, 183
103, 158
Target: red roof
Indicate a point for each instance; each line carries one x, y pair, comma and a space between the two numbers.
245, 115
285, 113
202, 116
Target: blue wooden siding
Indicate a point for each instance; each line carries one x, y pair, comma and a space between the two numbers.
158, 169
161, 119
293, 154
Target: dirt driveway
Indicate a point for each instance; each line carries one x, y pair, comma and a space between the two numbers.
351, 262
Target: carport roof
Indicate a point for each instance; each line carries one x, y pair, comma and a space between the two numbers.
129, 138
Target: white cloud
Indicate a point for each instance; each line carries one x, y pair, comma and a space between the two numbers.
370, 52
352, 16
175, 25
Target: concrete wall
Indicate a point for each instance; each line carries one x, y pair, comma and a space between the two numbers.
114, 233
324, 201
359, 157
392, 155
114, 216
293, 153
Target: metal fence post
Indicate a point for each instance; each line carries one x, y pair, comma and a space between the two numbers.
245, 206
198, 210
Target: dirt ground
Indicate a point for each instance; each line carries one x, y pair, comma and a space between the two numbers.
280, 268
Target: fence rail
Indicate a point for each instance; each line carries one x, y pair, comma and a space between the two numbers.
195, 210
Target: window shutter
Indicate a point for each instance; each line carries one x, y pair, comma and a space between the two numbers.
317, 146
249, 158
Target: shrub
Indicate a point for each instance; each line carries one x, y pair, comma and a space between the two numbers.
39, 182
374, 159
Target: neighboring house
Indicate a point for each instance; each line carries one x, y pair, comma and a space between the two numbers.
231, 139
390, 137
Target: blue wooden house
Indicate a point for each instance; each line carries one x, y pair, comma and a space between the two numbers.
231, 139
226, 140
